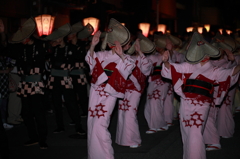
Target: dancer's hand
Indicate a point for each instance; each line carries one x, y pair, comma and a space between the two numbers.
95, 39
165, 56
118, 49
229, 55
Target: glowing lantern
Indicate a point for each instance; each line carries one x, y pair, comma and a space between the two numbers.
189, 29
220, 30
123, 24
162, 28
168, 31
93, 21
228, 32
200, 29
207, 26
44, 24
145, 28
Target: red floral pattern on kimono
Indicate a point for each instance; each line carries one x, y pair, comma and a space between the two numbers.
194, 108
104, 92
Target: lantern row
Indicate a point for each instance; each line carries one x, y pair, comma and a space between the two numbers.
45, 25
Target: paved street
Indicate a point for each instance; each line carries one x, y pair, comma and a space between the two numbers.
162, 145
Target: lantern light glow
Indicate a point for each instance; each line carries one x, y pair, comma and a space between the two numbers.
220, 30
162, 28
189, 29
168, 31
207, 26
228, 32
45, 24
93, 21
145, 28
200, 30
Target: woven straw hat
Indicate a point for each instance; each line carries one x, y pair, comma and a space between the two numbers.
77, 27
60, 32
160, 41
199, 48
115, 32
86, 31
146, 45
175, 40
230, 41
25, 31
223, 42
183, 47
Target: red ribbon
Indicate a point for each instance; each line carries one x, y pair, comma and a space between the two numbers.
112, 47
204, 60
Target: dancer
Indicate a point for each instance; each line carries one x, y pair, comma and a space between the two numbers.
127, 127
109, 70
193, 81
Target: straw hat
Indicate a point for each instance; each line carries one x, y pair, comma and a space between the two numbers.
60, 32
230, 41
175, 40
160, 41
199, 48
25, 31
184, 47
146, 45
224, 42
77, 27
86, 31
115, 32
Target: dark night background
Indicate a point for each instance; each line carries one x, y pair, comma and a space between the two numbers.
176, 14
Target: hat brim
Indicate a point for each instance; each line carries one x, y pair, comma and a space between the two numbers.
76, 27
200, 48
25, 31
160, 41
86, 32
117, 32
59, 33
175, 40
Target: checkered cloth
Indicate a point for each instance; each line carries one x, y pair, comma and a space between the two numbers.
81, 79
30, 88
3, 80
3, 85
65, 81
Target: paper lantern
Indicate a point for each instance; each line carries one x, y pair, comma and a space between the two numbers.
220, 30
93, 21
162, 28
145, 28
200, 30
123, 24
228, 32
189, 29
44, 24
207, 26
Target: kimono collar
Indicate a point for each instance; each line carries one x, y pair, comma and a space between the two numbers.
208, 64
